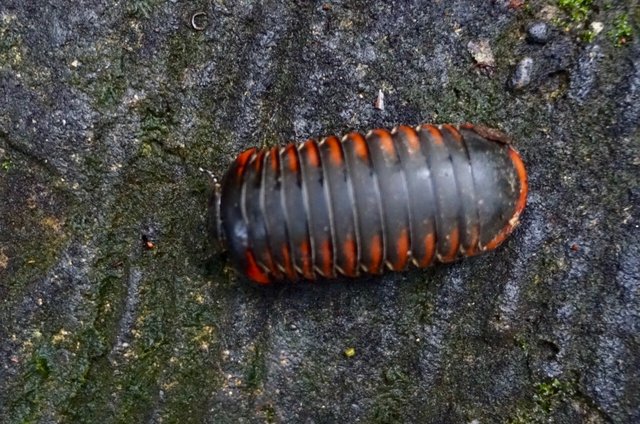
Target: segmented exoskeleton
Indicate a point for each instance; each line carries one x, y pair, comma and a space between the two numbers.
364, 204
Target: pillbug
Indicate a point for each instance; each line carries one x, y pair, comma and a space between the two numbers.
366, 204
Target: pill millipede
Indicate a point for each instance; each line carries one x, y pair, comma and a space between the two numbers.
366, 204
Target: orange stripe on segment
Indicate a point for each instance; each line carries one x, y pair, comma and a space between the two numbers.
386, 143
472, 249
326, 253
454, 132
375, 250
522, 177
307, 264
335, 150
412, 138
292, 157
467, 126
311, 151
497, 240
454, 239
430, 248
288, 265
435, 133
402, 250
275, 162
359, 145
273, 269
350, 254
242, 160
257, 164
253, 271
520, 204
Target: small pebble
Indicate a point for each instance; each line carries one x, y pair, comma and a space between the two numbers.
482, 53
379, 102
548, 13
538, 32
596, 27
522, 75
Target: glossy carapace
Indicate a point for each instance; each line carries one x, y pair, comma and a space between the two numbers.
363, 204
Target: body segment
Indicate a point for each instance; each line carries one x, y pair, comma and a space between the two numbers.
366, 204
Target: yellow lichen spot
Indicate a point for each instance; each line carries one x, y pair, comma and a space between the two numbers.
4, 260
52, 223
203, 337
170, 385
8, 18
146, 150
60, 336
31, 201
350, 352
12, 54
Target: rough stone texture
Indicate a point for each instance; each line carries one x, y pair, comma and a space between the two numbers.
538, 32
108, 110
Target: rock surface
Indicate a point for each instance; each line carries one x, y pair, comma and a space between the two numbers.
538, 32
112, 307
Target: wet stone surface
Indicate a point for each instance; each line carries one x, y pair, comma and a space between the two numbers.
538, 32
114, 309
523, 74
